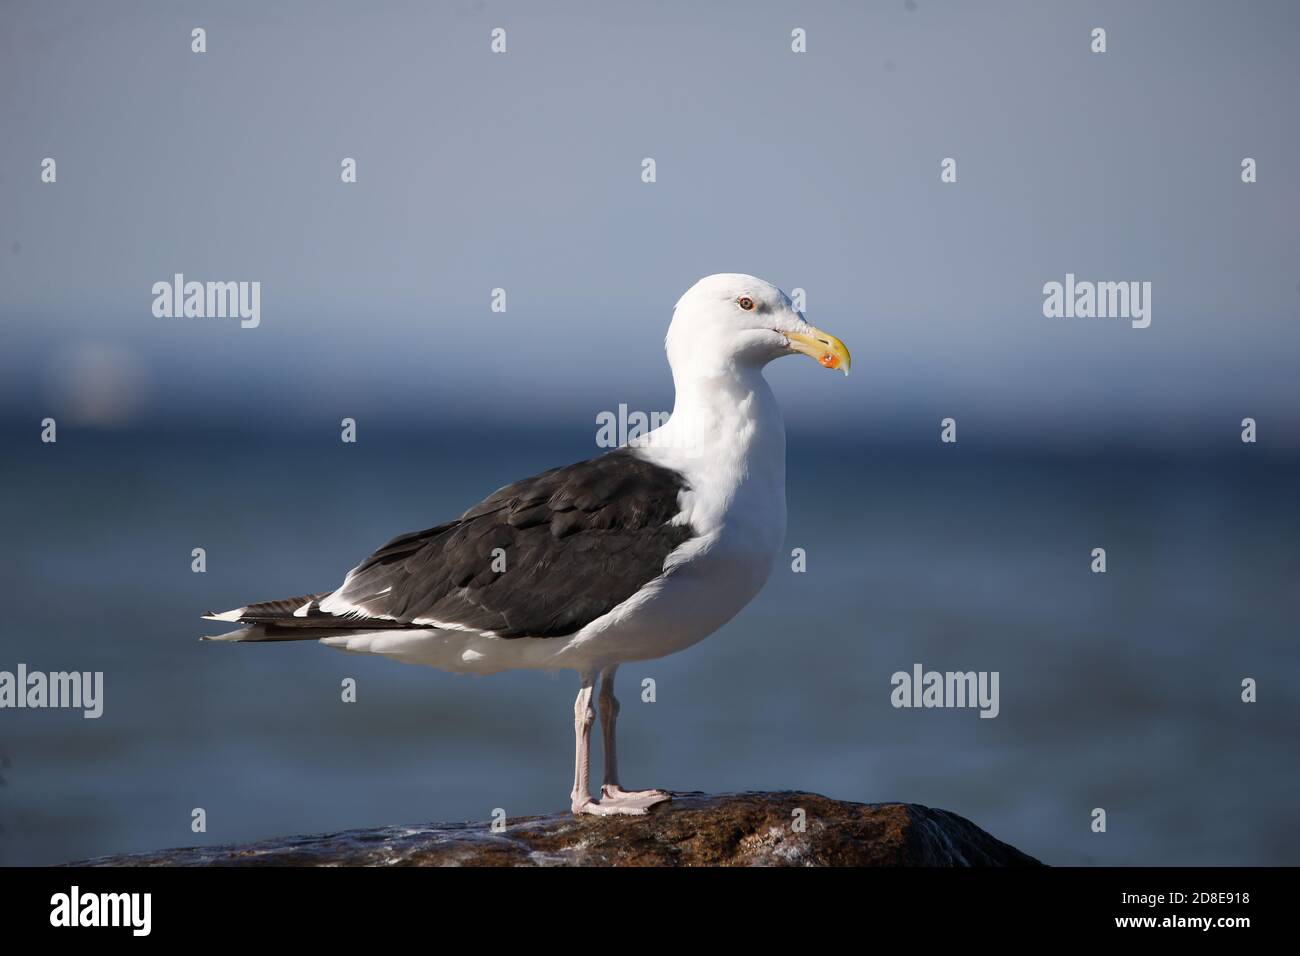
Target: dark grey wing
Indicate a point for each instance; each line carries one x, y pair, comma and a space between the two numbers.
542, 557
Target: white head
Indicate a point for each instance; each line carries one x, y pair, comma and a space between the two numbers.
731, 322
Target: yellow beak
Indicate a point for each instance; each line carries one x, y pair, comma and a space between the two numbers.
824, 347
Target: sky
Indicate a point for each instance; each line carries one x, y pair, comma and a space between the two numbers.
523, 171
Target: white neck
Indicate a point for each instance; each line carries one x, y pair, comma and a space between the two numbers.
726, 435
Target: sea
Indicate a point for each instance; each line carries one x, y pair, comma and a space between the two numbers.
1119, 691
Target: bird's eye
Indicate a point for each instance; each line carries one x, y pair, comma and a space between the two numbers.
746, 303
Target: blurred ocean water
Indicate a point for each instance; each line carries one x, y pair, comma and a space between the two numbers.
1119, 690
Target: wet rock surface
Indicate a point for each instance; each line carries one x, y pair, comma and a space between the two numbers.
694, 829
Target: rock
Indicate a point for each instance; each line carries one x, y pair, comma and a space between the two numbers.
695, 829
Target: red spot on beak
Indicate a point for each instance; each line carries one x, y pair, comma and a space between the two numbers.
829, 360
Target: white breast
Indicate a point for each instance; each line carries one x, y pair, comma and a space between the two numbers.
729, 443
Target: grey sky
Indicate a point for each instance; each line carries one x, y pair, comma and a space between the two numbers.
522, 171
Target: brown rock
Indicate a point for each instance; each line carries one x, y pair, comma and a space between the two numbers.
739, 829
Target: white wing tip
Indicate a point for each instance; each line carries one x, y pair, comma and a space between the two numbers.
232, 616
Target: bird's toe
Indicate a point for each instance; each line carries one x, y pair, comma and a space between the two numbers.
605, 809
617, 796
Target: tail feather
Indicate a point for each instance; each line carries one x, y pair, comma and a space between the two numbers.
293, 619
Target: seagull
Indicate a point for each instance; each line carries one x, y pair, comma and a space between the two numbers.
630, 556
